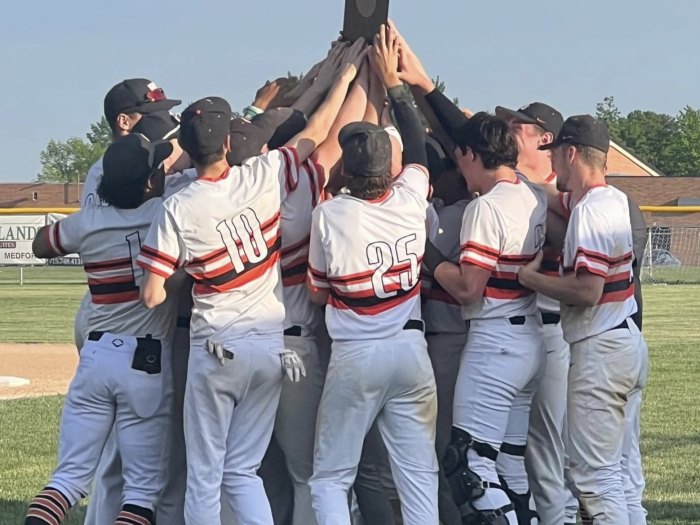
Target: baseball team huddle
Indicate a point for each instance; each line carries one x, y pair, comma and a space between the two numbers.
354, 303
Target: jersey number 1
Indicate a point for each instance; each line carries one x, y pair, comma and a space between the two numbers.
243, 231
396, 259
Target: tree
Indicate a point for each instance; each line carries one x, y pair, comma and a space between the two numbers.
684, 157
70, 160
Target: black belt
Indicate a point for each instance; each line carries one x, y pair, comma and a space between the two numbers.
550, 318
294, 331
415, 324
518, 320
183, 322
623, 324
97, 335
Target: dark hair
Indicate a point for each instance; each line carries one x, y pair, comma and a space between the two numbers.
368, 188
123, 196
208, 159
490, 139
592, 157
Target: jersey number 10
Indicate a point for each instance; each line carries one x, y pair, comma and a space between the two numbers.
244, 231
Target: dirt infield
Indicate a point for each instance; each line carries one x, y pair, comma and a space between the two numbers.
49, 368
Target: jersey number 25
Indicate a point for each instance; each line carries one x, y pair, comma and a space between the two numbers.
396, 267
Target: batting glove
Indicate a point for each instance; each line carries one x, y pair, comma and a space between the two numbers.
292, 365
218, 351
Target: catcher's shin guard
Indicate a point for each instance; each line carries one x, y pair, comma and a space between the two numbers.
49, 507
135, 515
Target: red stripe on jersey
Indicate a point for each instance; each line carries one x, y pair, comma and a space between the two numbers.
384, 306
551, 177
57, 238
289, 182
432, 294
617, 297
296, 262
354, 278
565, 201
163, 257
243, 279
486, 251
317, 274
468, 260
102, 266
516, 259
603, 258
201, 273
289, 249
294, 280
586, 266
211, 256
147, 266
115, 298
381, 198
111, 280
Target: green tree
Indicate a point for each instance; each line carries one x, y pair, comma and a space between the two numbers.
70, 160
684, 155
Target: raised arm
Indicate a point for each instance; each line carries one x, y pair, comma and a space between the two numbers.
318, 87
385, 61
320, 123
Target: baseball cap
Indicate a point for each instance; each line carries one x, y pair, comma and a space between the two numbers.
537, 113
366, 149
274, 127
204, 126
136, 95
583, 130
131, 160
160, 125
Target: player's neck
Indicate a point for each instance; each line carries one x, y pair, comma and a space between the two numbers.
213, 171
586, 180
537, 168
502, 174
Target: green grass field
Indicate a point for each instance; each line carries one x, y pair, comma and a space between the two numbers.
671, 418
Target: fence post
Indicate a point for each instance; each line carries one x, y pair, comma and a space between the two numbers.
650, 244
21, 275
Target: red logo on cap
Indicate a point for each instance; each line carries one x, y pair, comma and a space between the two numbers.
154, 95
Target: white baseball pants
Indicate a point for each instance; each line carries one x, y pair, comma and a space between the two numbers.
605, 369
498, 376
105, 393
545, 455
229, 414
389, 380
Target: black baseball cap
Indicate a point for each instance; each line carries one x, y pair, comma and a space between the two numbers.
136, 95
204, 126
537, 113
583, 130
131, 160
161, 125
366, 149
274, 127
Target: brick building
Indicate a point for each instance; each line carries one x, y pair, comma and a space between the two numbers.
40, 195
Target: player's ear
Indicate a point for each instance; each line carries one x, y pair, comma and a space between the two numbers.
123, 123
227, 144
546, 138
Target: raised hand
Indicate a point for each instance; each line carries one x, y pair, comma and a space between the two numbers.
384, 56
411, 70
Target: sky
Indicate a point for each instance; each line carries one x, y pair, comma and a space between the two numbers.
58, 59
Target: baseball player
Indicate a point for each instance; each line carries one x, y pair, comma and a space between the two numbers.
123, 377
445, 330
501, 230
596, 292
105, 497
224, 231
532, 126
368, 276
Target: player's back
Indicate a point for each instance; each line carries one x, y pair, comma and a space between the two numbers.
373, 251
108, 240
230, 232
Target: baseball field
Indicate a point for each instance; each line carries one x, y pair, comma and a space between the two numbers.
35, 343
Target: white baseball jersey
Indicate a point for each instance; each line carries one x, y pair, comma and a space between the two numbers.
501, 231
441, 312
369, 253
225, 233
108, 240
92, 181
296, 228
599, 239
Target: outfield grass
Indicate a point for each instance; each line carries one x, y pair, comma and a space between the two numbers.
670, 423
